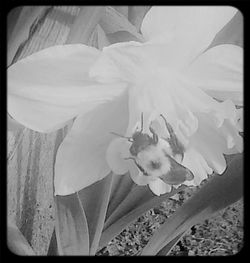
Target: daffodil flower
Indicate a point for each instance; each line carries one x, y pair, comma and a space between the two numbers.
173, 89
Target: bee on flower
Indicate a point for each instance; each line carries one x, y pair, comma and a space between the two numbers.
156, 158
172, 102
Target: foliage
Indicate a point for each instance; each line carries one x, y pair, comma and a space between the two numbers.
220, 235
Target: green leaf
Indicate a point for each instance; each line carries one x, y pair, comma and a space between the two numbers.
85, 24
81, 218
231, 33
71, 226
121, 187
136, 15
121, 36
218, 193
112, 21
53, 249
138, 200
94, 200
122, 9
17, 243
166, 249
137, 196
20, 20
101, 38
13, 125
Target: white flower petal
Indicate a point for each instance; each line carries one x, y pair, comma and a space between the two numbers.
116, 152
210, 151
158, 187
190, 29
51, 86
219, 72
233, 138
194, 161
121, 62
81, 158
240, 119
218, 136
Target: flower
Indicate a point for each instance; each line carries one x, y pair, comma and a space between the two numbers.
186, 92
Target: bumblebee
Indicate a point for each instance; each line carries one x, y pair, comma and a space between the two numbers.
159, 157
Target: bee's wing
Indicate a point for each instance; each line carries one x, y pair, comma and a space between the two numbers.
177, 173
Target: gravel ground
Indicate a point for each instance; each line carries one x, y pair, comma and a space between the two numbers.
221, 235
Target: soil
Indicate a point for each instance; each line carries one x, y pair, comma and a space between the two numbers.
221, 235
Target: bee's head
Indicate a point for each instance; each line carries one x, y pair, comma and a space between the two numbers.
140, 141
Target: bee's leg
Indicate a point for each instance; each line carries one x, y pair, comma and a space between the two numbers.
173, 141
141, 122
130, 158
129, 138
155, 136
169, 127
141, 169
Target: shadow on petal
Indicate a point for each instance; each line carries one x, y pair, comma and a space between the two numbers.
81, 158
195, 162
116, 152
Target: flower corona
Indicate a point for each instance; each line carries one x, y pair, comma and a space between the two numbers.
187, 90
157, 157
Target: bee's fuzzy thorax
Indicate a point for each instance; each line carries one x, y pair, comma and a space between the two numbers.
154, 161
